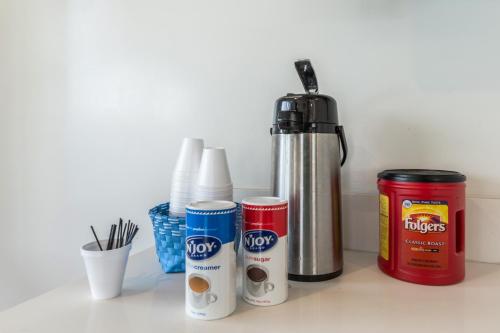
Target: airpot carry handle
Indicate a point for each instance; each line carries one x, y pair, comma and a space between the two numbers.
343, 143
307, 75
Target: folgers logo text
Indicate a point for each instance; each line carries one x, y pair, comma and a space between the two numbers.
202, 247
260, 240
424, 223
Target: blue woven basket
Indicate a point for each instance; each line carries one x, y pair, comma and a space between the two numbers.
170, 237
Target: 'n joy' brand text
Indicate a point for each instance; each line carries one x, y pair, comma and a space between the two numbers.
260, 240
202, 247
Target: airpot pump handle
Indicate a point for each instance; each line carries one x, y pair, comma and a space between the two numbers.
307, 75
343, 143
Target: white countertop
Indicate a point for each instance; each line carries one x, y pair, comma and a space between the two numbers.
362, 300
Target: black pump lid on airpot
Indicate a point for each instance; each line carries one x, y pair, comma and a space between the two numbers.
309, 112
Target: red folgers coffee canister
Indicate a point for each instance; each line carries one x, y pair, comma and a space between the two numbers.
421, 231
265, 276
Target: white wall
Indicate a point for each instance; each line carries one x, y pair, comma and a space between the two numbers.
95, 97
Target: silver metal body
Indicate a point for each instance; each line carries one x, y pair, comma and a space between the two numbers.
306, 172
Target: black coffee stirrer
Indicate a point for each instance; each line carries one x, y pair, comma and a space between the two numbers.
124, 235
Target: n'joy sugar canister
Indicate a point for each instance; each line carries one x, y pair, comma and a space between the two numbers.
265, 274
210, 259
421, 225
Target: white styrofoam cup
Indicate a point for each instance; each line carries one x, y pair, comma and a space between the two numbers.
105, 269
214, 169
189, 158
185, 174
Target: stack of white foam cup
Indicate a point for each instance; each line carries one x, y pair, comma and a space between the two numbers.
214, 179
185, 175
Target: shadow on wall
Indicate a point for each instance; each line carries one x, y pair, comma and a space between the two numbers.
482, 230
413, 138
360, 222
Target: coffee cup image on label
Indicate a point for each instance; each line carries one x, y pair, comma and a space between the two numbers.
199, 291
258, 281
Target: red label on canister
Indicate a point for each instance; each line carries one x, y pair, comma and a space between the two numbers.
424, 234
265, 276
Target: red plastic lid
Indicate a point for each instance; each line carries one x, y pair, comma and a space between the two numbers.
264, 203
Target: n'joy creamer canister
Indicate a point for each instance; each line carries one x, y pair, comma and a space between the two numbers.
422, 225
210, 259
